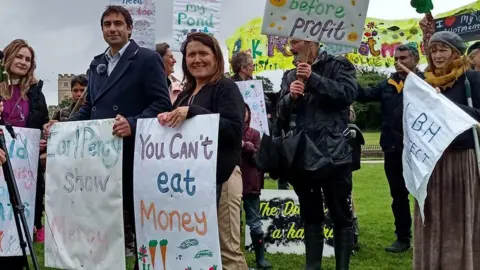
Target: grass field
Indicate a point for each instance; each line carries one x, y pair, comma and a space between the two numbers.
372, 137
372, 202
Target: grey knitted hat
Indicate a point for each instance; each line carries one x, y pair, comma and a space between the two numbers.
451, 39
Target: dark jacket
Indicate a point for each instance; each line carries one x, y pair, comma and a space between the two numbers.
457, 95
390, 95
223, 98
136, 88
323, 112
38, 114
252, 177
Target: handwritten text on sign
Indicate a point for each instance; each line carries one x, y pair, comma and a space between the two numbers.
144, 23
430, 123
281, 223
194, 16
23, 152
83, 197
327, 21
175, 194
252, 92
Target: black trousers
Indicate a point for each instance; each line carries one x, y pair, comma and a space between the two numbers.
337, 190
398, 191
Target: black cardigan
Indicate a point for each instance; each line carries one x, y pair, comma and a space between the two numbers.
223, 98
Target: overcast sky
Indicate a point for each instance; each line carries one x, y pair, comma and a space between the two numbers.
66, 33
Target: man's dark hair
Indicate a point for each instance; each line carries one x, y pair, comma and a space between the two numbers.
161, 48
409, 48
118, 10
80, 79
239, 60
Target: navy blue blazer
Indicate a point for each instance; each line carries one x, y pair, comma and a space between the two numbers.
136, 88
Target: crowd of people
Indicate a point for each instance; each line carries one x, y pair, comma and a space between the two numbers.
312, 117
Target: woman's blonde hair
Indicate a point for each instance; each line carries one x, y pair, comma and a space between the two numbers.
10, 52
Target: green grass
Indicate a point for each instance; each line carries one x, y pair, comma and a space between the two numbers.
372, 137
372, 203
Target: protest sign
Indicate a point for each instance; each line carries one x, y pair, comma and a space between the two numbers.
430, 123
252, 92
281, 223
175, 194
197, 16
466, 25
23, 152
329, 21
144, 23
83, 197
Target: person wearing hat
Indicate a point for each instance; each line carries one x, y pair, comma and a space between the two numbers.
449, 238
389, 94
474, 55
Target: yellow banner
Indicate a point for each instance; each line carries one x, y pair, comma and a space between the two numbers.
379, 40
381, 37
269, 53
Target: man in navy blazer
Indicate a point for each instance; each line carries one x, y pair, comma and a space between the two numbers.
126, 82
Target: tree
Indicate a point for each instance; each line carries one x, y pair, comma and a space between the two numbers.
52, 109
266, 83
368, 114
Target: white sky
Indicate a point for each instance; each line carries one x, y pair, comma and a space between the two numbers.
66, 33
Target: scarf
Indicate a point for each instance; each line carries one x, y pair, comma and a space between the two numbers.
446, 77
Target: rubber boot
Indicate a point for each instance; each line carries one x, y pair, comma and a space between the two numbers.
259, 248
343, 244
314, 241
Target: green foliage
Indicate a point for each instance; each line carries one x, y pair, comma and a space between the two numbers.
52, 109
267, 84
368, 114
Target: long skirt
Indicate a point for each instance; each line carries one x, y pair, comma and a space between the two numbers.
450, 237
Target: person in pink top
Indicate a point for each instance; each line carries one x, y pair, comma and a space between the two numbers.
24, 105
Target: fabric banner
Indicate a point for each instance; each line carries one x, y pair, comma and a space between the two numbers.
144, 24
83, 197
268, 52
197, 16
330, 21
24, 155
281, 223
175, 194
252, 92
431, 122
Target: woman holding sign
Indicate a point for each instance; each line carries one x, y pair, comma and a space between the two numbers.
450, 236
207, 91
24, 106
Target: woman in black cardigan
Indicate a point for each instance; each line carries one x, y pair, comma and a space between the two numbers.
207, 91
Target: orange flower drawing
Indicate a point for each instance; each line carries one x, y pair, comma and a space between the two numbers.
353, 36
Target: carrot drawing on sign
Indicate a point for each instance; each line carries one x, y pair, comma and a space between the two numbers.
163, 251
152, 246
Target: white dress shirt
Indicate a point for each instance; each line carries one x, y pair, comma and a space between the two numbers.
113, 60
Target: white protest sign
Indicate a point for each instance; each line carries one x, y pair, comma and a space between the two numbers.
144, 23
252, 92
430, 123
194, 16
328, 21
24, 156
83, 197
175, 194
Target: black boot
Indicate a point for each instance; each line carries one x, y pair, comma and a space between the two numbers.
259, 247
343, 244
399, 246
313, 246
